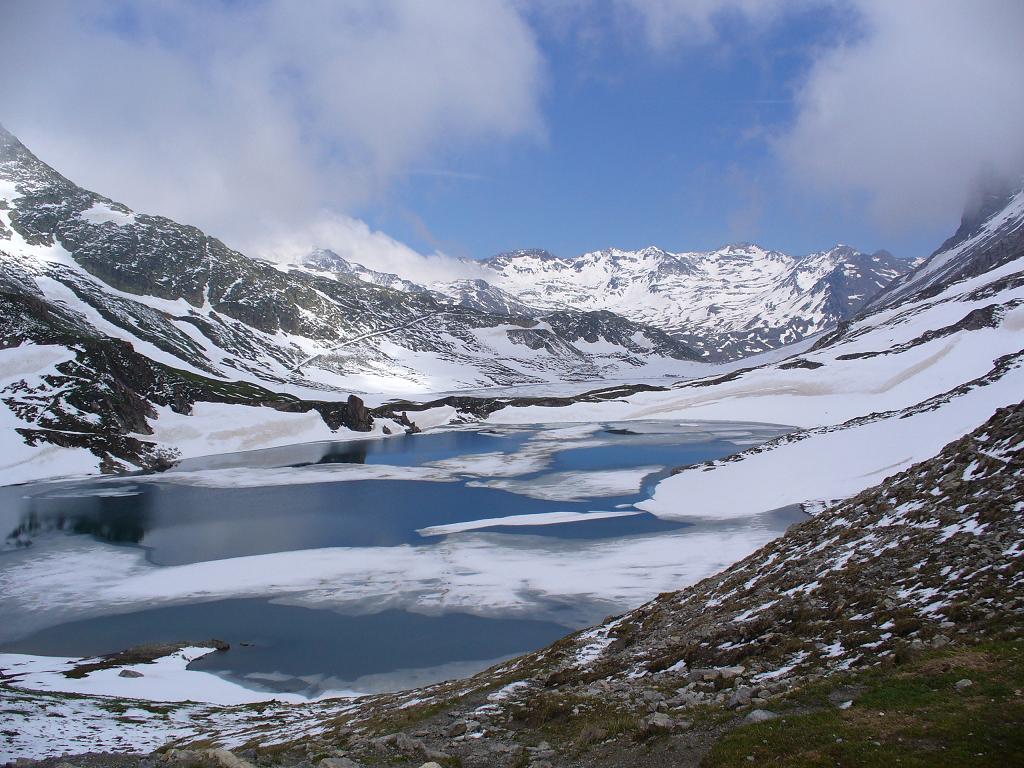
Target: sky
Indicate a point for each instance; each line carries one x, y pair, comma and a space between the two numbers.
402, 133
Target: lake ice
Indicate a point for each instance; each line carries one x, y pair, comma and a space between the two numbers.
369, 565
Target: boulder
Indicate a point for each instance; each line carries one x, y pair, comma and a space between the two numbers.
591, 734
410, 426
338, 762
459, 727
187, 758
406, 743
731, 673
741, 697
659, 721
760, 716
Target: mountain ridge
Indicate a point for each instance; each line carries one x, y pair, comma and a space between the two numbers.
727, 303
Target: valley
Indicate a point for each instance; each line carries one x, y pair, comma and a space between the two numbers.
484, 518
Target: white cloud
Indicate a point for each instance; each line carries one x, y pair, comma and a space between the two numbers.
918, 100
911, 112
667, 23
249, 118
355, 241
256, 119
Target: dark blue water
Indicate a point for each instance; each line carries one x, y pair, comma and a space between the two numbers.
179, 523
299, 645
399, 450
630, 452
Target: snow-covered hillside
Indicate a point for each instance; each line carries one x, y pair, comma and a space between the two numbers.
142, 317
728, 303
118, 325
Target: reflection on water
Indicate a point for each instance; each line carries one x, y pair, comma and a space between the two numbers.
290, 648
339, 453
119, 519
179, 523
184, 524
400, 450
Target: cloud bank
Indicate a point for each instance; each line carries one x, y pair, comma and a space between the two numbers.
249, 119
909, 115
918, 103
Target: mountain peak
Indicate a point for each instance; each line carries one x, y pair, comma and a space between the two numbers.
19, 165
991, 233
991, 194
536, 253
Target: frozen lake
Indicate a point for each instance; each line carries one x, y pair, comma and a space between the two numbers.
366, 565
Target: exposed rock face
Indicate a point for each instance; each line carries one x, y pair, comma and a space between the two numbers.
604, 326
358, 418
352, 414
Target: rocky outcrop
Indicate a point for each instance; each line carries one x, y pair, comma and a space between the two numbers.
103, 397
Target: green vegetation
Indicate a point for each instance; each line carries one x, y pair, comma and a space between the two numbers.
912, 715
563, 718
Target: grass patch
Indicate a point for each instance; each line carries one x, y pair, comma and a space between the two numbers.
566, 719
402, 719
911, 715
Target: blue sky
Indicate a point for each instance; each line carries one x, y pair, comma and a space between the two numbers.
671, 149
399, 132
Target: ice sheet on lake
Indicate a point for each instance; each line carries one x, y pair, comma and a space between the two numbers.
487, 574
496, 464
570, 486
258, 477
541, 518
531, 457
165, 679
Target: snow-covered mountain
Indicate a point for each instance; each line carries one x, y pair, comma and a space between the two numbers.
911, 414
469, 293
728, 303
926, 365
113, 324
327, 261
118, 326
